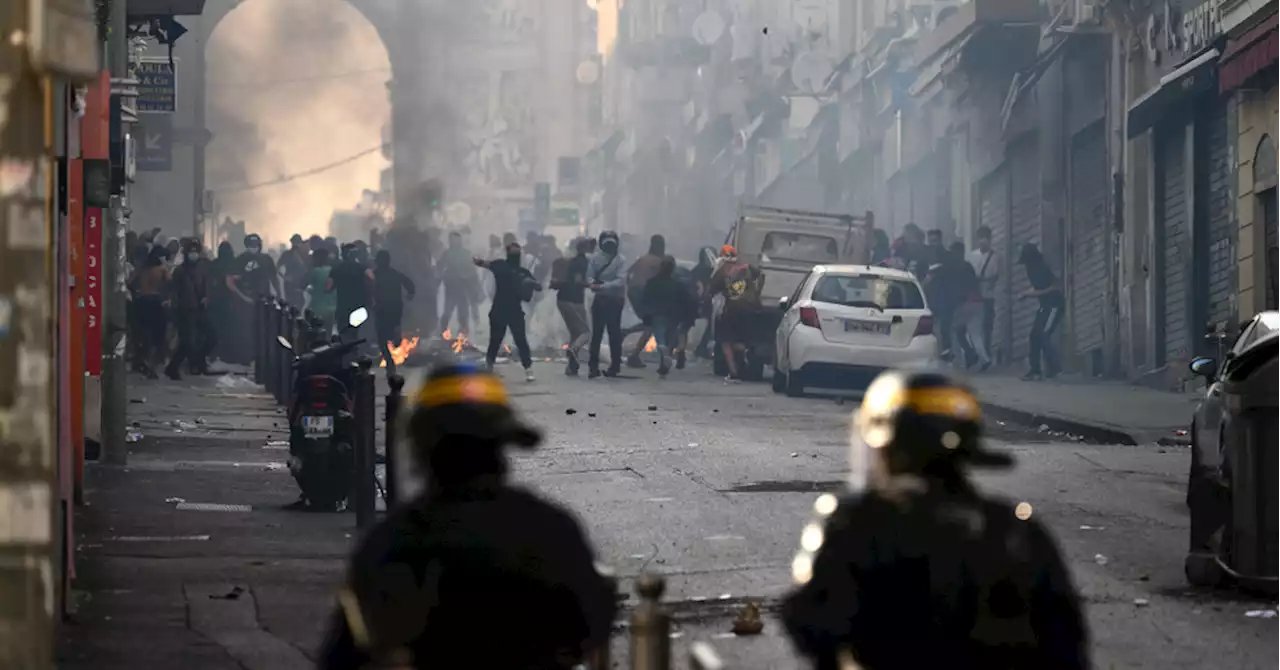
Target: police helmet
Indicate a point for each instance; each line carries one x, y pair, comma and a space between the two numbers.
252, 240
912, 420
465, 401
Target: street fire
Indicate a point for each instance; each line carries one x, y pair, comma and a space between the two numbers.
458, 343
400, 352
651, 345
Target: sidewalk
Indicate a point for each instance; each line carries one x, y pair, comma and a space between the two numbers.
186, 556
1114, 412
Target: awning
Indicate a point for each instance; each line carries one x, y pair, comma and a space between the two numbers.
1194, 77
159, 8
1248, 55
940, 66
1023, 81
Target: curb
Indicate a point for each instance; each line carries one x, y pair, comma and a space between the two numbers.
1090, 431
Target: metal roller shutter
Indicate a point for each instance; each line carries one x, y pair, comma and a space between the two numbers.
1024, 227
993, 212
1088, 209
1174, 237
1222, 230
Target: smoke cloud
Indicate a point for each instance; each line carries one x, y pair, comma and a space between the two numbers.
294, 85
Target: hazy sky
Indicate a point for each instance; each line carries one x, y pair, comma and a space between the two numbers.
294, 85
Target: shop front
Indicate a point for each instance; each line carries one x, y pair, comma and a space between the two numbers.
1248, 76
1193, 230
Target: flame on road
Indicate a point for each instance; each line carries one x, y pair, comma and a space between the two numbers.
400, 352
651, 345
459, 342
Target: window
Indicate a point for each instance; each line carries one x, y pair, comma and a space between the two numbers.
800, 248
804, 283
868, 291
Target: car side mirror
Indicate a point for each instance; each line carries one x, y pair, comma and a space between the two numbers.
783, 303
284, 342
358, 317
1204, 367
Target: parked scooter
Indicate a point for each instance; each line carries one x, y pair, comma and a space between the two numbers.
321, 422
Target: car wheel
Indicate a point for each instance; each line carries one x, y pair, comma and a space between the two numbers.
793, 385
718, 364
779, 380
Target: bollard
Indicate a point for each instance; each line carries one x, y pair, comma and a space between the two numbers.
286, 371
365, 500
599, 658
394, 400
703, 656
259, 330
271, 375
650, 626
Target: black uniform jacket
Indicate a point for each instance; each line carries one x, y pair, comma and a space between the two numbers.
920, 577
489, 578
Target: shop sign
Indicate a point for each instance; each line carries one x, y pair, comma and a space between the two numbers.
1178, 33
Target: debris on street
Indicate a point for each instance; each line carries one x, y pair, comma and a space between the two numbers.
1100, 559
748, 621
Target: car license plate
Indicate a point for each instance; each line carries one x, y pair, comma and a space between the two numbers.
870, 327
317, 426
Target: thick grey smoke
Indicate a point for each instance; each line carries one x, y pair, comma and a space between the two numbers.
294, 85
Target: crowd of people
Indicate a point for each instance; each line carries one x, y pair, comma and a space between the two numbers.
962, 287
188, 308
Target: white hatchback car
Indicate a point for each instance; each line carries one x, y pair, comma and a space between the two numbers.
845, 324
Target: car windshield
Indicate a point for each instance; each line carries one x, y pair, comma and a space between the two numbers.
812, 249
868, 291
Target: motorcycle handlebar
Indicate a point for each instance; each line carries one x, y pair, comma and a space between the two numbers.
327, 351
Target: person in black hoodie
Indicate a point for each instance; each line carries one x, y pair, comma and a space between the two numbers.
1045, 288
513, 285
391, 290
668, 303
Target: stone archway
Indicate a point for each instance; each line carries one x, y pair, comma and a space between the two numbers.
387, 19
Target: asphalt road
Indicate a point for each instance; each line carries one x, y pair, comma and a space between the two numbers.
706, 483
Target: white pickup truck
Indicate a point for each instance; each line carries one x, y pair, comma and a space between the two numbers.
786, 244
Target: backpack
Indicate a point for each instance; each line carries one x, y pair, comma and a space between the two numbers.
559, 273
742, 284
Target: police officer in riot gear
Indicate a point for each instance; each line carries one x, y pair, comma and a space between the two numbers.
914, 567
474, 568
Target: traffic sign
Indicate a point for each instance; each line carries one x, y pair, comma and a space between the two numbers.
157, 86
155, 143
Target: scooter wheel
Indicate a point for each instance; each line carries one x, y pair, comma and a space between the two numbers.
1203, 570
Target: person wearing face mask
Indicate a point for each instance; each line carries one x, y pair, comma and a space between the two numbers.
513, 285
252, 276
606, 277
190, 299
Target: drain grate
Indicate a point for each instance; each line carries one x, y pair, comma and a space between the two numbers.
791, 486
212, 507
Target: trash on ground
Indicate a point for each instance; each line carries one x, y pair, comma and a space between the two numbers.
693, 444
230, 381
175, 500
653, 408
794, 454
591, 414
1099, 559
182, 425
1261, 614
1044, 428
748, 621
133, 436
137, 401
571, 411
1181, 432
233, 594
1093, 527
1141, 602
277, 443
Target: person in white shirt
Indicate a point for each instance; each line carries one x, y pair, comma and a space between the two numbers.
986, 264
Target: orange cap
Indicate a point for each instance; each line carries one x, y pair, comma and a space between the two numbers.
728, 250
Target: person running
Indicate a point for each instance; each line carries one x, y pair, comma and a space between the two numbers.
644, 269
606, 280
1046, 288
350, 279
571, 301
669, 302
740, 283
513, 285
391, 288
